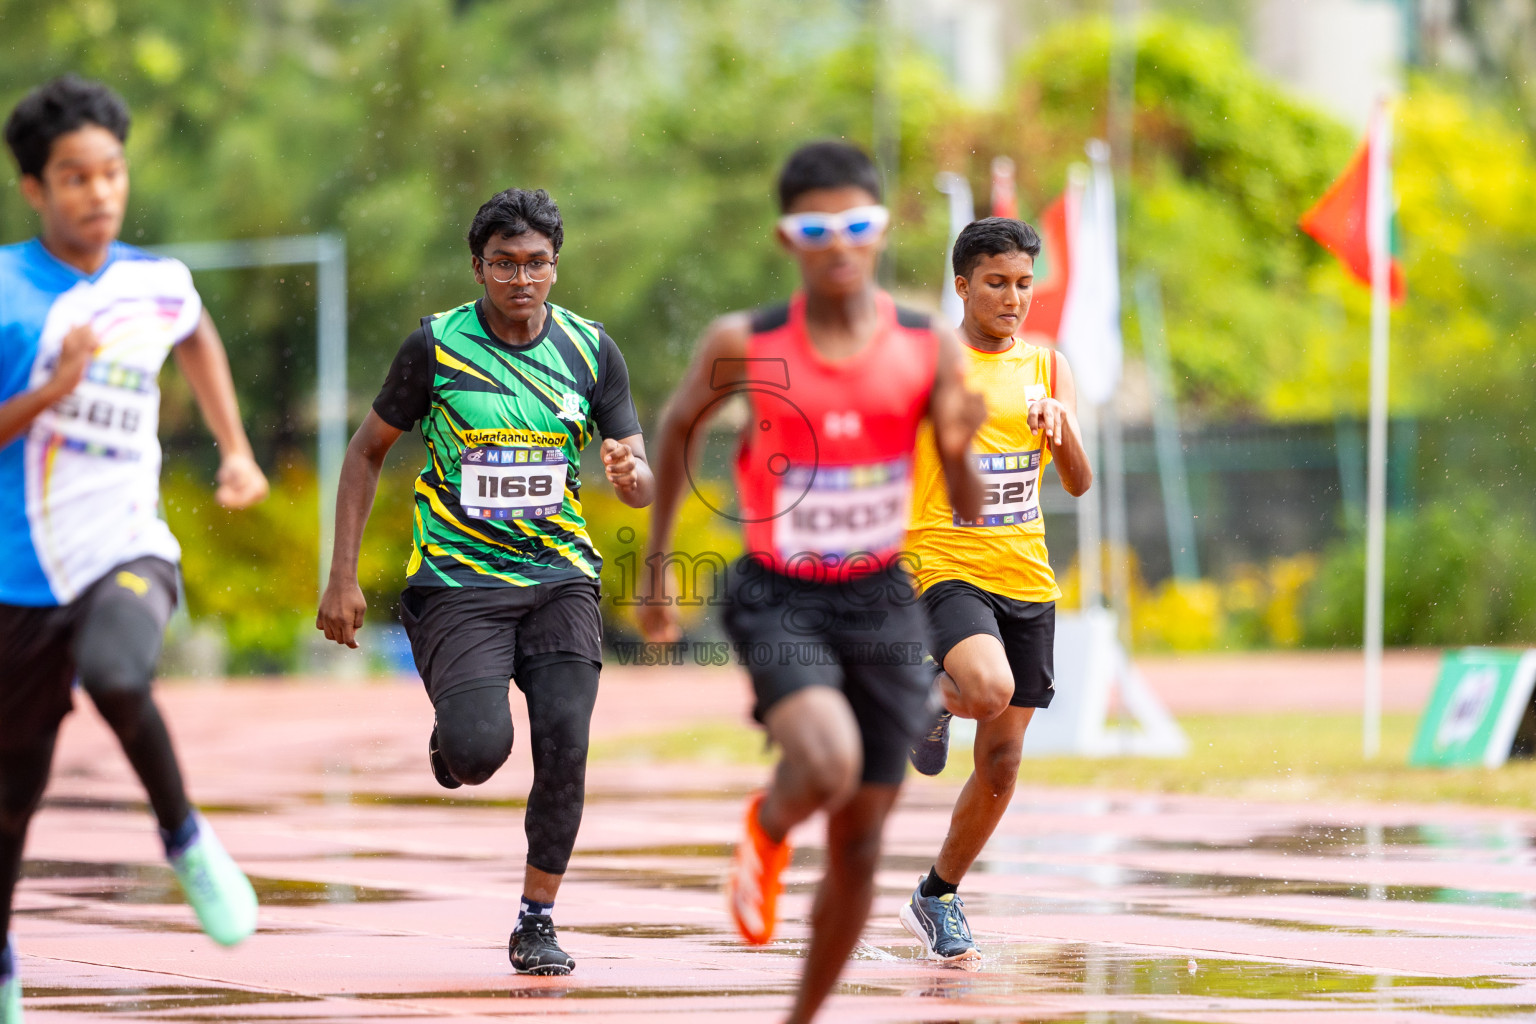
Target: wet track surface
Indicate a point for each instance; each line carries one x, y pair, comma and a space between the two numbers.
384, 899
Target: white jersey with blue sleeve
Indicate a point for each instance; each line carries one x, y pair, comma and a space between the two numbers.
80, 489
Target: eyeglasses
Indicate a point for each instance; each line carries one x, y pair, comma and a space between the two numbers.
859, 226
505, 271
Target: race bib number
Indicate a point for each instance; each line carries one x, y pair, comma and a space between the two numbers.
843, 510
113, 412
1010, 495
497, 482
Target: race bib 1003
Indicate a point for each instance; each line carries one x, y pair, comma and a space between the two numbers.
1010, 494
498, 482
843, 510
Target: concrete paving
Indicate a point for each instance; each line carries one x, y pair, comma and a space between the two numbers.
385, 898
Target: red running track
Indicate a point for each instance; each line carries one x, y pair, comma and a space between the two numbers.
385, 899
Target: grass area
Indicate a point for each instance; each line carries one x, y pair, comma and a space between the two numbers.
1270, 756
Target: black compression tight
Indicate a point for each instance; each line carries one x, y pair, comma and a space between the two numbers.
474, 736
116, 650
23, 777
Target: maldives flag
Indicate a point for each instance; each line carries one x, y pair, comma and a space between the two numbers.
1354, 217
1052, 271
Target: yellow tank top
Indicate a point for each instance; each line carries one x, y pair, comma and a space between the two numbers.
1003, 551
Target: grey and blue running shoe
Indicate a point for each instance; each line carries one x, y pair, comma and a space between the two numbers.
932, 751
938, 922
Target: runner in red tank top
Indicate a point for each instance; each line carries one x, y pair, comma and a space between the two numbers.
825, 466
821, 607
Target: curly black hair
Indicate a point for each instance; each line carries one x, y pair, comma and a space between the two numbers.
827, 164
58, 108
514, 211
991, 236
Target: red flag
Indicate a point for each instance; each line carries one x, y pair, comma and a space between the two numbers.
1053, 269
1340, 220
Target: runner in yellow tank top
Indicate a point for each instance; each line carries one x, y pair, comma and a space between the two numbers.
988, 592
1004, 550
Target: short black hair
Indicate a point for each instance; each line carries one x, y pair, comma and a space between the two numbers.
58, 108
991, 236
827, 164
514, 211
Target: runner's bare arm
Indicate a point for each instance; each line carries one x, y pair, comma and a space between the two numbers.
626, 467
957, 413
18, 411
1057, 416
342, 606
203, 362
717, 363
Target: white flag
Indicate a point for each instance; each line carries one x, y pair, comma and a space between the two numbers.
962, 210
1090, 321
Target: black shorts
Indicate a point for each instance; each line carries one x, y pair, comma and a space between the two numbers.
37, 645
1027, 630
467, 637
861, 638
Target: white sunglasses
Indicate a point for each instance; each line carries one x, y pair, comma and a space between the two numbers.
859, 226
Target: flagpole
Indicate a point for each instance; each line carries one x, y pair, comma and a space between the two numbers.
1378, 217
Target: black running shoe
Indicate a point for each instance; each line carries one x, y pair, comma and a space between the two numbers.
440, 770
932, 751
533, 948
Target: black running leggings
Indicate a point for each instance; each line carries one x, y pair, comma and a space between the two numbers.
115, 650
474, 736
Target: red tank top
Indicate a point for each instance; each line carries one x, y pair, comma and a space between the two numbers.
824, 470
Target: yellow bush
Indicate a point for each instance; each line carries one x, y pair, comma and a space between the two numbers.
1288, 578
1181, 615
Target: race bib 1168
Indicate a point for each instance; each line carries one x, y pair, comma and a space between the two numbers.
1010, 494
498, 482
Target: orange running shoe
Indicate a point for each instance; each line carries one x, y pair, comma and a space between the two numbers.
752, 888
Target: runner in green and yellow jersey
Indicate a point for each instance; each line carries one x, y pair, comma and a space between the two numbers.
502, 582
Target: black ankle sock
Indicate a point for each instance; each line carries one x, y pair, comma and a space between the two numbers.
529, 906
176, 842
933, 885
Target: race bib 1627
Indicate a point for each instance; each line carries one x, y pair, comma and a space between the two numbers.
1010, 494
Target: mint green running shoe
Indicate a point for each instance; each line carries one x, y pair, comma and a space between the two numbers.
218, 890
10, 989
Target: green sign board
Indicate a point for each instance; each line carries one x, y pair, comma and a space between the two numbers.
1475, 711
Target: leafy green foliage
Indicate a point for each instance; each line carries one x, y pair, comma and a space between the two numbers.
1457, 572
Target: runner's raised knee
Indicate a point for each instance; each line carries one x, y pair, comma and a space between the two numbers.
117, 650
474, 731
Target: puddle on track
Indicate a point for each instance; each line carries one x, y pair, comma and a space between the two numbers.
156, 999
641, 931
1014, 970
156, 884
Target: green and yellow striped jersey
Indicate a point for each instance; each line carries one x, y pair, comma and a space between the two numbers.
498, 502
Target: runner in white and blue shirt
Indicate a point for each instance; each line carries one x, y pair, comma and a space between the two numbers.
79, 492
88, 574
